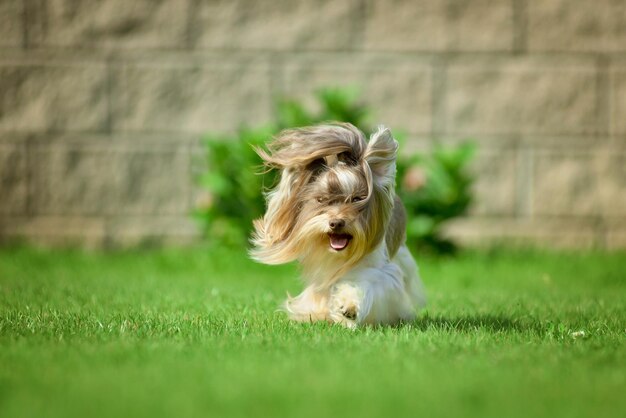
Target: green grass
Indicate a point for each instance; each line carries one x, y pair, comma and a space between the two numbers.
196, 333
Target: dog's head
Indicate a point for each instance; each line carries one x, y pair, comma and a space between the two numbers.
334, 198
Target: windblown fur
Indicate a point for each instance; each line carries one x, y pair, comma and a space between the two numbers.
334, 210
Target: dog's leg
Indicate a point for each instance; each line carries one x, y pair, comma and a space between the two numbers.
412, 281
347, 305
308, 306
371, 296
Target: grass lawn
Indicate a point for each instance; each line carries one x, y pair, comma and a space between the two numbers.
196, 333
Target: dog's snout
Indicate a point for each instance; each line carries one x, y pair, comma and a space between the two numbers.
336, 224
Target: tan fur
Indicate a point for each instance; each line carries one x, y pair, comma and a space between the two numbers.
323, 168
396, 231
299, 147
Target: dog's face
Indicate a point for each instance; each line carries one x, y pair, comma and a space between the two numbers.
334, 198
332, 204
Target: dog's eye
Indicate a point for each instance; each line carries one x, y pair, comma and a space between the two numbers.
357, 199
316, 166
320, 200
347, 158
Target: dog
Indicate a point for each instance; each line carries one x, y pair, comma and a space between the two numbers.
334, 210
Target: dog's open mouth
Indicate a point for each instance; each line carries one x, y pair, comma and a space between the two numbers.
339, 242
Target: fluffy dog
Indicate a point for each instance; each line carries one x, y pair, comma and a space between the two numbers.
335, 211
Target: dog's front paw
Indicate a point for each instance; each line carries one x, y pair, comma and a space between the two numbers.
345, 304
349, 312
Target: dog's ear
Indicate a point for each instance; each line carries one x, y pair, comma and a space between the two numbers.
271, 236
282, 207
380, 155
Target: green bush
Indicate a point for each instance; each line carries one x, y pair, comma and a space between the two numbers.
434, 187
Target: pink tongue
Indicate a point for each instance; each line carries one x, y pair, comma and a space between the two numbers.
338, 242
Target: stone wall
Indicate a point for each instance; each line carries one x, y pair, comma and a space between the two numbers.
102, 104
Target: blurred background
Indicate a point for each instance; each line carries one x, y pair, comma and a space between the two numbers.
106, 108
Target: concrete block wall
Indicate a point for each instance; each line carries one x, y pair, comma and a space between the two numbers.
103, 103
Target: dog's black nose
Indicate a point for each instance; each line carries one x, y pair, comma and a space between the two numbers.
336, 224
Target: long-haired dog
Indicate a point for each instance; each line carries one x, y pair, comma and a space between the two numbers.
335, 211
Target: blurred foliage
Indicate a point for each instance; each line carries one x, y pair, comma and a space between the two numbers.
434, 187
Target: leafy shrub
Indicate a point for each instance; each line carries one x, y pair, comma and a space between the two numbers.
434, 187
233, 187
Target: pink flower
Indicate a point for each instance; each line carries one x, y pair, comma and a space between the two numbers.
414, 179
